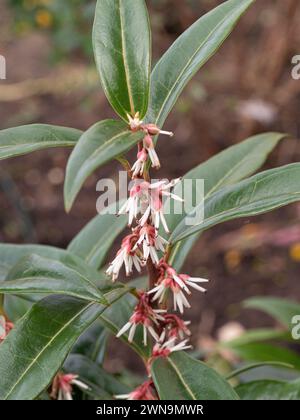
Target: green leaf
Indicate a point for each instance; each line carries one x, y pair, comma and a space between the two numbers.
92, 343
39, 275
246, 368
256, 335
122, 48
102, 384
259, 194
261, 352
281, 309
226, 168
29, 138
179, 377
36, 348
102, 142
269, 390
95, 240
10, 254
188, 54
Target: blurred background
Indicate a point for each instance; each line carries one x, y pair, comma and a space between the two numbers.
245, 89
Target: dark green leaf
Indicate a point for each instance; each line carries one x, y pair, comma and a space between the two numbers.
281, 309
188, 54
92, 343
10, 254
29, 138
35, 274
38, 345
256, 335
102, 384
102, 142
260, 352
269, 390
259, 194
122, 48
246, 368
179, 377
226, 168
95, 240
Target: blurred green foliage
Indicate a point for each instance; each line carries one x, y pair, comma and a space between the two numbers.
67, 21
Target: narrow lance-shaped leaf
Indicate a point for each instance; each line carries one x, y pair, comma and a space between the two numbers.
10, 254
226, 168
35, 274
122, 48
36, 348
269, 390
29, 138
188, 54
281, 309
101, 143
261, 352
259, 194
95, 240
180, 377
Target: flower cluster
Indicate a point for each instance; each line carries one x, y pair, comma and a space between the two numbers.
62, 386
143, 246
5, 327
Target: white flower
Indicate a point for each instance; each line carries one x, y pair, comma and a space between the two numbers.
151, 242
157, 191
149, 146
139, 166
62, 386
138, 198
178, 284
168, 347
126, 256
143, 315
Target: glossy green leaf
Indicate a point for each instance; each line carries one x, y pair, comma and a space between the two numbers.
29, 138
259, 194
10, 254
122, 48
95, 240
261, 352
252, 366
36, 348
269, 390
226, 168
257, 335
188, 54
92, 343
179, 377
101, 143
102, 384
35, 274
281, 309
